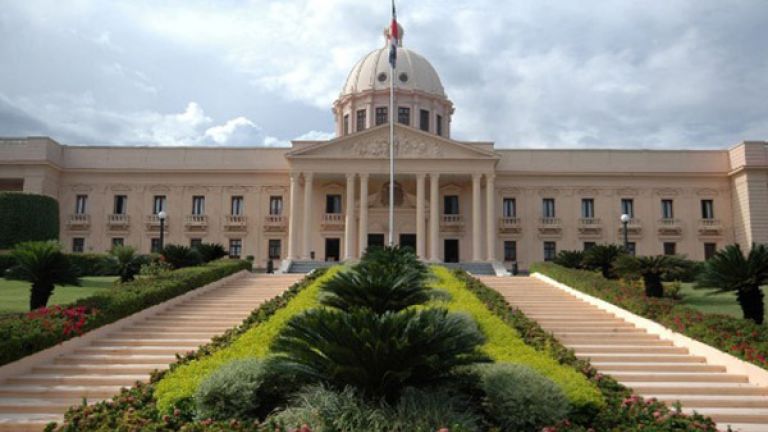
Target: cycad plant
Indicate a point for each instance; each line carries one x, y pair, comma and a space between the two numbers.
602, 257
570, 259
181, 256
393, 259
127, 262
45, 266
377, 291
729, 270
650, 268
210, 251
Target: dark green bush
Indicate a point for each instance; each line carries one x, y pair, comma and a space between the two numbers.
210, 251
519, 399
27, 217
93, 264
570, 259
6, 262
181, 256
324, 410
601, 258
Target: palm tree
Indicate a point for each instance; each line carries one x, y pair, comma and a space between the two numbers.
210, 251
650, 268
45, 266
570, 259
127, 262
376, 291
729, 270
181, 256
601, 257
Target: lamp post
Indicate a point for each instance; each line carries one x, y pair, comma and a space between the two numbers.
162, 216
624, 221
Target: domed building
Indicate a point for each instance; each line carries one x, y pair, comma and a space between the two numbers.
470, 203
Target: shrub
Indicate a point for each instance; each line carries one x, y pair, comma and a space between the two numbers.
519, 399
27, 217
324, 409
126, 261
181, 256
376, 291
392, 259
42, 264
244, 389
6, 262
602, 257
650, 269
570, 259
93, 264
377, 354
210, 251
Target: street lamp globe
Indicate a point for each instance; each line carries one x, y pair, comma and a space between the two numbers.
162, 215
625, 218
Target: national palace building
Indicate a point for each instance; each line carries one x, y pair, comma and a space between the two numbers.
455, 201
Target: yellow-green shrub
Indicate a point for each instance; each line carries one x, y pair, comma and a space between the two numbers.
504, 344
182, 382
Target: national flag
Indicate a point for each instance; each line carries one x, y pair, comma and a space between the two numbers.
394, 36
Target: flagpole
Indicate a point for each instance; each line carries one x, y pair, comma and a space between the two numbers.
392, 139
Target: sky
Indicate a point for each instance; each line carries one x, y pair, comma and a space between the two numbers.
523, 73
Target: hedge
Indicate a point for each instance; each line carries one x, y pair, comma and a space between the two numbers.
739, 337
38, 330
180, 384
504, 344
27, 217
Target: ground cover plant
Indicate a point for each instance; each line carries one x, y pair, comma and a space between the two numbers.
26, 334
742, 338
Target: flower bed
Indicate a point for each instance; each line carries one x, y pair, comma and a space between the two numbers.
26, 334
741, 338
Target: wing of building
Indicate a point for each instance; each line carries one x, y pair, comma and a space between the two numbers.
455, 200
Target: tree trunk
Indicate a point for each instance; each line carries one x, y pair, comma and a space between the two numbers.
653, 286
751, 301
40, 294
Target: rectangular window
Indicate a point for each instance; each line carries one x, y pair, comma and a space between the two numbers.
273, 250
382, 116
588, 246
154, 246
275, 205
707, 209
121, 205
346, 124
709, 250
451, 204
510, 250
509, 207
360, 120
548, 208
588, 208
81, 204
117, 241
550, 250
333, 204
667, 211
404, 115
198, 205
237, 206
631, 248
670, 248
628, 207
235, 248
195, 242
439, 125
424, 120
158, 204
78, 245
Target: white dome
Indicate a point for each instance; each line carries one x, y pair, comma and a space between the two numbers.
413, 72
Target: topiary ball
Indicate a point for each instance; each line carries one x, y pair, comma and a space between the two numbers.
517, 398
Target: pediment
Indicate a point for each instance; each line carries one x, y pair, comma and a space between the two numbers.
410, 143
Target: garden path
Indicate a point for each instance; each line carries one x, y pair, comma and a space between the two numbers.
130, 352
651, 366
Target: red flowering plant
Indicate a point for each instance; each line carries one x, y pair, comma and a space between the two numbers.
62, 321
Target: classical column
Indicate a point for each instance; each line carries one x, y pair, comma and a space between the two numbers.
490, 214
363, 237
434, 216
293, 222
349, 219
420, 222
308, 177
476, 215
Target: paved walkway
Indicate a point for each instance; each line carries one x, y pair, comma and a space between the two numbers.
130, 353
652, 367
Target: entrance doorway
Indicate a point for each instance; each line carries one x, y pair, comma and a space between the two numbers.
451, 250
332, 249
375, 240
409, 241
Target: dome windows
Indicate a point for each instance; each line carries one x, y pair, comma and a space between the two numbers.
403, 77
382, 77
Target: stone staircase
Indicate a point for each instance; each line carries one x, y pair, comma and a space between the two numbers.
304, 267
97, 371
473, 267
651, 366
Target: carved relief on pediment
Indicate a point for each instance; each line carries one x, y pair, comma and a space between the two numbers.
405, 147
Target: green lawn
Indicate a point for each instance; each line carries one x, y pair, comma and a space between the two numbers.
722, 303
14, 295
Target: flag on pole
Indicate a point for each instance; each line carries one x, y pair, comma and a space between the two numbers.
394, 36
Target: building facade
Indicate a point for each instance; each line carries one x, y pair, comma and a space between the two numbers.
454, 200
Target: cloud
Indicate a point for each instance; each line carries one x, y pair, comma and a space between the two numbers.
315, 135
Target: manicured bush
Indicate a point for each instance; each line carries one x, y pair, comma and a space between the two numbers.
325, 409
22, 336
27, 217
181, 256
519, 399
244, 389
93, 264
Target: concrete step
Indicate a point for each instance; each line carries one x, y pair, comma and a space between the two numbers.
592, 329
36, 405
153, 342
26, 422
125, 368
712, 377
634, 349
739, 415
58, 391
694, 388
708, 401
657, 367
78, 379
113, 359
136, 350
636, 357
185, 335
143, 328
